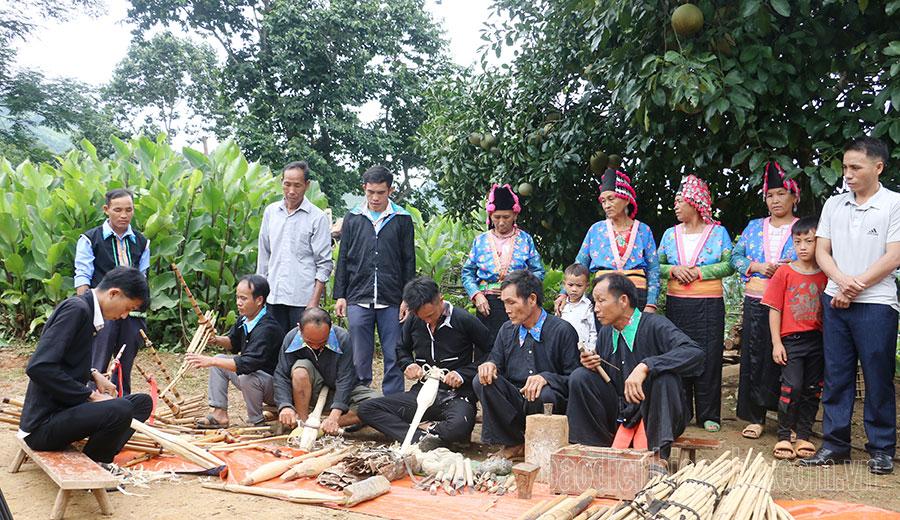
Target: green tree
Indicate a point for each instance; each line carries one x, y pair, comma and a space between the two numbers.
162, 81
29, 100
761, 79
298, 75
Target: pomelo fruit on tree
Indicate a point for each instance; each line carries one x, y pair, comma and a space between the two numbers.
687, 19
525, 189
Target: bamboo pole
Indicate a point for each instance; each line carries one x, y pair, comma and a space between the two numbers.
159, 363
204, 322
179, 447
313, 467
294, 495
245, 444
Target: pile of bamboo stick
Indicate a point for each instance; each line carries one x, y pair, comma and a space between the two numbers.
11, 411
564, 507
725, 489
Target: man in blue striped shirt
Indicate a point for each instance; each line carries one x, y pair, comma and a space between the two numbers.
111, 244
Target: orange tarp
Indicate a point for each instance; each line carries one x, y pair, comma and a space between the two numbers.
406, 503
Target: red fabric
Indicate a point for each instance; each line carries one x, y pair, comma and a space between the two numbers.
799, 298
406, 503
631, 437
622, 241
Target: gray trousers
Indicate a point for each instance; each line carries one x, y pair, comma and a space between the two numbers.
258, 389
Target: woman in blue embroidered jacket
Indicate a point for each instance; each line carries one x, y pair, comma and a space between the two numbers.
764, 246
620, 243
503, 249
694, 257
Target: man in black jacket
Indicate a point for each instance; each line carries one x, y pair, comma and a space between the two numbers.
111, 244
652, 356
528, 367
314, 355
255, 338
59, 407
377, 257
439, 335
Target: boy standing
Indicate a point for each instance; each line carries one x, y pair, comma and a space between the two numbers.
579, 310
795, 320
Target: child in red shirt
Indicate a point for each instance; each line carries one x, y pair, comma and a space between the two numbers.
795, 320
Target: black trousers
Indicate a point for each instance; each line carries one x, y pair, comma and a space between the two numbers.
759, 384
703, 320
801, 384
392, 414
504, 410
496, 318
593, 410
287, 316
109, 340
106, 424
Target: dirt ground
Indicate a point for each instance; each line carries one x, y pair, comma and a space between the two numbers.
30, 493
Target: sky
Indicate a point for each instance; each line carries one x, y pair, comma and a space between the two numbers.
88, 49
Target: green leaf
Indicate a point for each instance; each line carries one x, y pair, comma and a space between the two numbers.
783, 8
893, 49
892, 7
894, 131
749, 8
14, 264
863, 4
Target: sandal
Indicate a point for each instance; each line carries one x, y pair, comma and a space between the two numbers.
711, 426
804, 449
210, 423
753, 431
784, 451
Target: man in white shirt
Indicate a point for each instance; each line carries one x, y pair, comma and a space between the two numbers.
859, 249
294, 249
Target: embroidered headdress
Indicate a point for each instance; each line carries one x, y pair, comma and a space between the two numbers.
696, 193
501, 198
774, 178
618, 182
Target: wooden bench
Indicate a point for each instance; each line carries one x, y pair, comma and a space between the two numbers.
689, 446
70, 469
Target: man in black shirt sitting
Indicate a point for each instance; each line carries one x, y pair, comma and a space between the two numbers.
59, 408
529, 366
440, 335
255, 338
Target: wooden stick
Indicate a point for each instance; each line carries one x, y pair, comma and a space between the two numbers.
137, 460
294, 495
14, 402
245, 444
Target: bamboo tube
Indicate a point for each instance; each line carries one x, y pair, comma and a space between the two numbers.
275, 468
9, 420
241, 445
159, 363
531, 510
175, 445
14, 402
558, 507
459, 478
584, 515
536, 512
294, 495
195, 347
143, 449
576, 506
200, 316
372, 487
470, 477
313, 467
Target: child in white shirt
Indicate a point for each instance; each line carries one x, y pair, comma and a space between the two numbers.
579, 310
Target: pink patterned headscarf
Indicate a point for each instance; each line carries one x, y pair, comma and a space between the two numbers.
696, 193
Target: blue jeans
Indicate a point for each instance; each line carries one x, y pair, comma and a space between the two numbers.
361, 322
867, 332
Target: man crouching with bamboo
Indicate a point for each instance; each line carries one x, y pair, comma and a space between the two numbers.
59, 408
317, 357
255, 338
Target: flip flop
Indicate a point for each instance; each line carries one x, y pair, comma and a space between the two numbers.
784, 451
711, 426
753, 431
804, 449
210, 423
